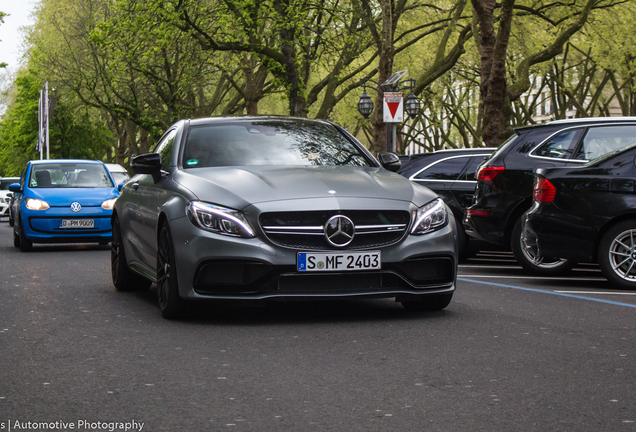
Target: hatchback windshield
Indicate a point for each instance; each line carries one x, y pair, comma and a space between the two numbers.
269, 142
69, 175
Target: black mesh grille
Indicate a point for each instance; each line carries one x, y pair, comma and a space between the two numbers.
319, 218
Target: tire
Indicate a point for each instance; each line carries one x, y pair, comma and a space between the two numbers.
525, 254
16, 239
617, 254
124, 279
170, 302
24, 243
428, 303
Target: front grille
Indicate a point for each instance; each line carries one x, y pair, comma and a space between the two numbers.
305, 230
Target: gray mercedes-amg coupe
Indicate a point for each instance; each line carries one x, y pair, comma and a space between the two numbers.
278, 208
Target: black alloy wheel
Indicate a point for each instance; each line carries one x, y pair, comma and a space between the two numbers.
124, 279
428, 303
170, 302
617, 254
525, 250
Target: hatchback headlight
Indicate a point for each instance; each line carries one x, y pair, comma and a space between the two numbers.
109, 204
430, 217
36, 204
219, 220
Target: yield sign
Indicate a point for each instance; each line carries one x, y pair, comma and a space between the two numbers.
393, 107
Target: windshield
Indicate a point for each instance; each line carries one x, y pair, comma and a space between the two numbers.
269, 142
69, 175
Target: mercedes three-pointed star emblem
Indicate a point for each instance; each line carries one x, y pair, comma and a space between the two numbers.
339, 230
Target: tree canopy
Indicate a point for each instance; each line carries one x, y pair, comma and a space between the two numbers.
124, 70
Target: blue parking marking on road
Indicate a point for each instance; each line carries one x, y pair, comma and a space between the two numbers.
550, 292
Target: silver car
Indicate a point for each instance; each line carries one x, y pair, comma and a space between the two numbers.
278, 208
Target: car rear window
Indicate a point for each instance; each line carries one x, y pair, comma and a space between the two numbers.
505, 145
269, 142
69, 175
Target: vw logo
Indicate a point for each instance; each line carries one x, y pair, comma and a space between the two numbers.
76, 207
339, 230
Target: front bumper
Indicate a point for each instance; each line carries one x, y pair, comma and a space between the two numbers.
211, 266
44, 226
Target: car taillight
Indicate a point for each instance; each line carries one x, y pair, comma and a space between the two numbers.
544, 191
489, 173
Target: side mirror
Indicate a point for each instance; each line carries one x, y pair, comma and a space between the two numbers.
14, 187
149, 163
390, 161
120, 186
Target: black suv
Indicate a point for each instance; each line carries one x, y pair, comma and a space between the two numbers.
452, 175
504, 182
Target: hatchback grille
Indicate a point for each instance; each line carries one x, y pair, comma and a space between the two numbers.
305, 230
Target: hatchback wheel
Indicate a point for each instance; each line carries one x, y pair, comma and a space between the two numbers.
170, 302
525, 251
428, 303
23, 243
617, 254
16, 239
124, 279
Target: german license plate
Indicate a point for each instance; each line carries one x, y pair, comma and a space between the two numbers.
345, 261
77, 223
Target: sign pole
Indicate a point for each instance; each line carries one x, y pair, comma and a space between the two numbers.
46, 102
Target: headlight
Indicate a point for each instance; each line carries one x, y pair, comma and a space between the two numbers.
36, 204
219, 220
109, 204
430, 217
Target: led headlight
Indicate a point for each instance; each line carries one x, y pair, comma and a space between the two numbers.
219, 220
109, 204
430, 217
36, 204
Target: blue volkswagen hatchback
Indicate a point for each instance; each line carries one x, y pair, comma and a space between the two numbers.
63, 201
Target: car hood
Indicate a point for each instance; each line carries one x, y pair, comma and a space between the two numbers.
238, 187
61, 197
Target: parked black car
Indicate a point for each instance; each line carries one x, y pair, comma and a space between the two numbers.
588, 214
504, 182
452, 175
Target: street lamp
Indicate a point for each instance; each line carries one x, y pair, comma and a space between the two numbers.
365, 104
393, 84
412, 105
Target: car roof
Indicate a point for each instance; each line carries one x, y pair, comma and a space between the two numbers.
579, 121
224, 119
57, 161
115, 168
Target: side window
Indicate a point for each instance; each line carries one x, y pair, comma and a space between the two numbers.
471, 170
448, 169
164, 148
600, 141
560, 146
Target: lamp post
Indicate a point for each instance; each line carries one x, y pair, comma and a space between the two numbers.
392, 90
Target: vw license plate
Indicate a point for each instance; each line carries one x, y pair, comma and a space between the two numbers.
345, 261
77, 223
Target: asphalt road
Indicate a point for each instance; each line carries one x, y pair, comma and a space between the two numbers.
510, 353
